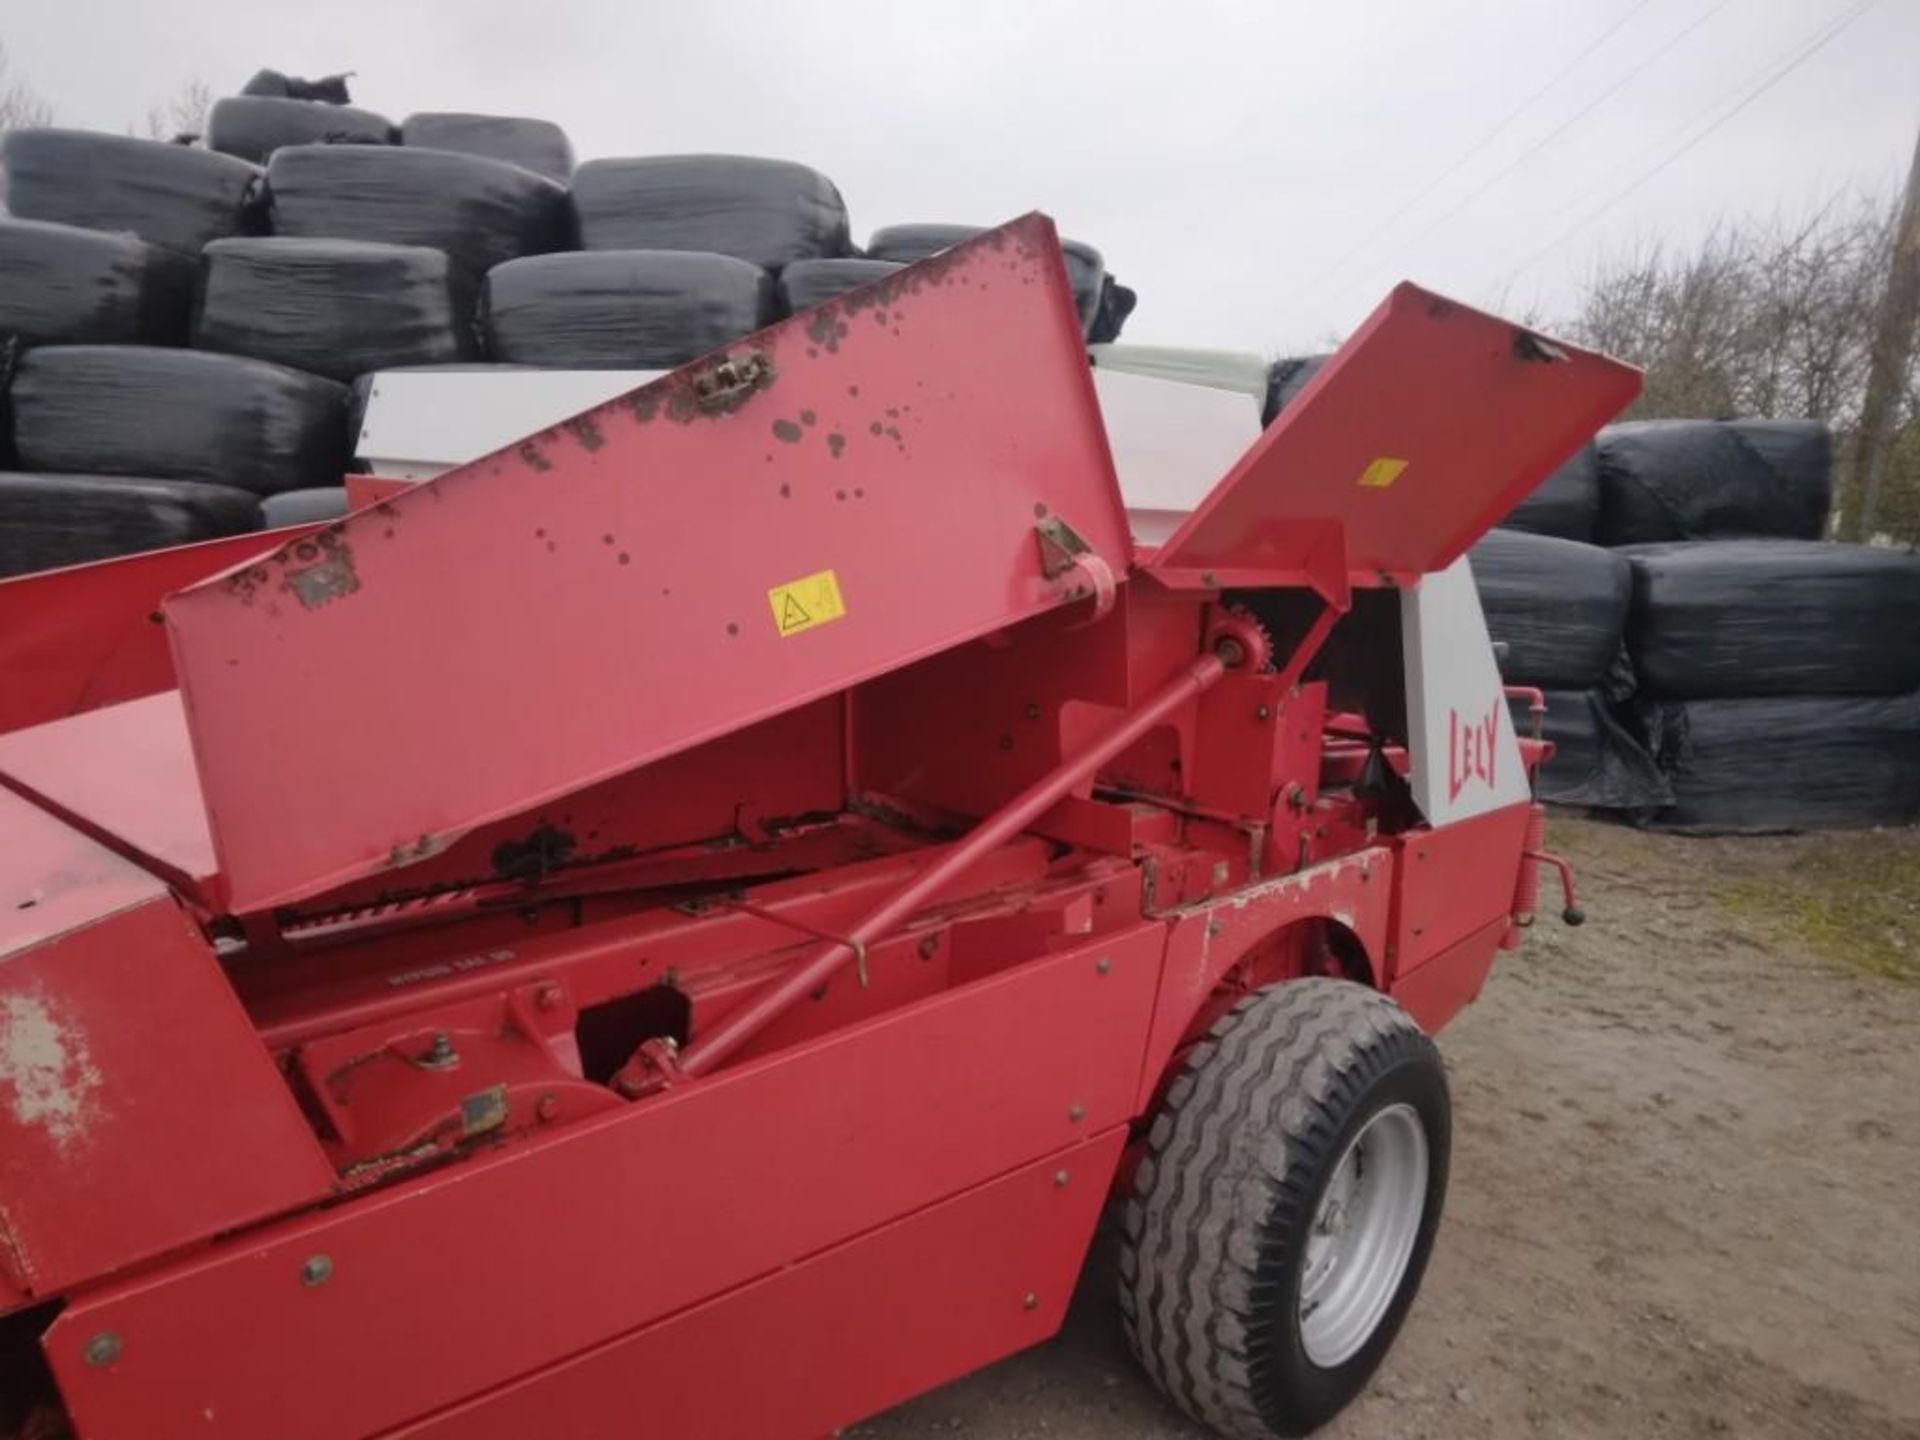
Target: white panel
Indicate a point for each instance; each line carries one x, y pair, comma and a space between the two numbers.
421, 422
1171, 443
1466, 758
1221, 369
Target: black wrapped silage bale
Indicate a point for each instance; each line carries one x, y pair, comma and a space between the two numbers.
47, 521
1753, 766
1664, 480
253, 127
766, 212
622, 309
812, 282
480, 212
537, 145
338, 308
1560, 608
1748, 618
60, 284
176, 196
1566, 504
178, 415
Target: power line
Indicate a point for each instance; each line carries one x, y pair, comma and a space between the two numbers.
1383, 227
1585, 110
1805, 50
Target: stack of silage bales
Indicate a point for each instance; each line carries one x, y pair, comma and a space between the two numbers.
186, 322
1709, 663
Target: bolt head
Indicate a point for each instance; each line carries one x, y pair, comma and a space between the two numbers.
102, 1349
1102, 966
1061, 1179
547, 1107
1030, 1301
929, 947
548, 997
316, 1272
1076, 1113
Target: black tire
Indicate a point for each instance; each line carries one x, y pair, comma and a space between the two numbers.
1237, 1162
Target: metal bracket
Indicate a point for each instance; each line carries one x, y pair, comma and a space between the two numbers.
731, 381
1063, 552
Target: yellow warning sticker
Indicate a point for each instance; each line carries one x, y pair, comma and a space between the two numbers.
1381, 473
804, 603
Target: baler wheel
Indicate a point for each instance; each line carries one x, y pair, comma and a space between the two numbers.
1285, 1207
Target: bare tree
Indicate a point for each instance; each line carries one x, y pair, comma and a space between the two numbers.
1769, 318
184, 116
21, 106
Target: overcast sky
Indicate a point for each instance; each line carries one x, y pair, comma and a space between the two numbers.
1260, 172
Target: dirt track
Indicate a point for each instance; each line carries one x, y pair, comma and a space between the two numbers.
1686, 1196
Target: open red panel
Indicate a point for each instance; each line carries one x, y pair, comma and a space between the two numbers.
835, 496
1430, 424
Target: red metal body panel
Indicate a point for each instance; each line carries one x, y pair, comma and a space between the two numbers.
121, 1046
1430, 423
124, 774
836, 1338
1440, 989
1206, 941
85, 636
631, 1217
1451, 880
607, 593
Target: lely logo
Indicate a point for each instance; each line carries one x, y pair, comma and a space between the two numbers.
1471, 751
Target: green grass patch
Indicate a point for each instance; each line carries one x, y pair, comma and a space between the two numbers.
1854, 899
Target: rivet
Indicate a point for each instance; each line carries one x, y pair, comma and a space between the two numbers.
1006, 742
1030, 1301
548, 1107
1263, 713
1060, 1179
1102, 966
1033, 711
317, 1271
929, 947
102, 1349
1076, 1113
548, 997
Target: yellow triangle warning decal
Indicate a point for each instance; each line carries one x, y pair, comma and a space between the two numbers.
805, 603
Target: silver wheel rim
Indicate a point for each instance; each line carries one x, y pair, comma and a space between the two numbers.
1362, 1235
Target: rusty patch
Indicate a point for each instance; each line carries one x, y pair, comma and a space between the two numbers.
325, 581
545, 848
787, 431
836, 442
586, 430
534, 458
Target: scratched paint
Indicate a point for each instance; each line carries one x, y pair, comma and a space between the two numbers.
48, 1080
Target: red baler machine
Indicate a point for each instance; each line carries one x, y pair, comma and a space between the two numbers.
679, 927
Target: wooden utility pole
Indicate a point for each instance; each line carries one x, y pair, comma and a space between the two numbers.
1887, 374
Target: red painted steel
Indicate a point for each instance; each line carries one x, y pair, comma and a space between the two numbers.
608, 592
838, 1338
85, 636
571, 762
1430, 423
500, 1269
1451, 880
138, 1110
1205, 672
1444, 986
124, 774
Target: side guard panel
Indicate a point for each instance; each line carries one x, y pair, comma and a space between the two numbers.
830, 1341
507, 1266
857, 488
139, 1111
1430, 424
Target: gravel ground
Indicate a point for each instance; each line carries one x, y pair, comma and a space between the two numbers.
1686, 1193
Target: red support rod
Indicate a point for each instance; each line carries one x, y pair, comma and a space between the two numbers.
740, 1027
